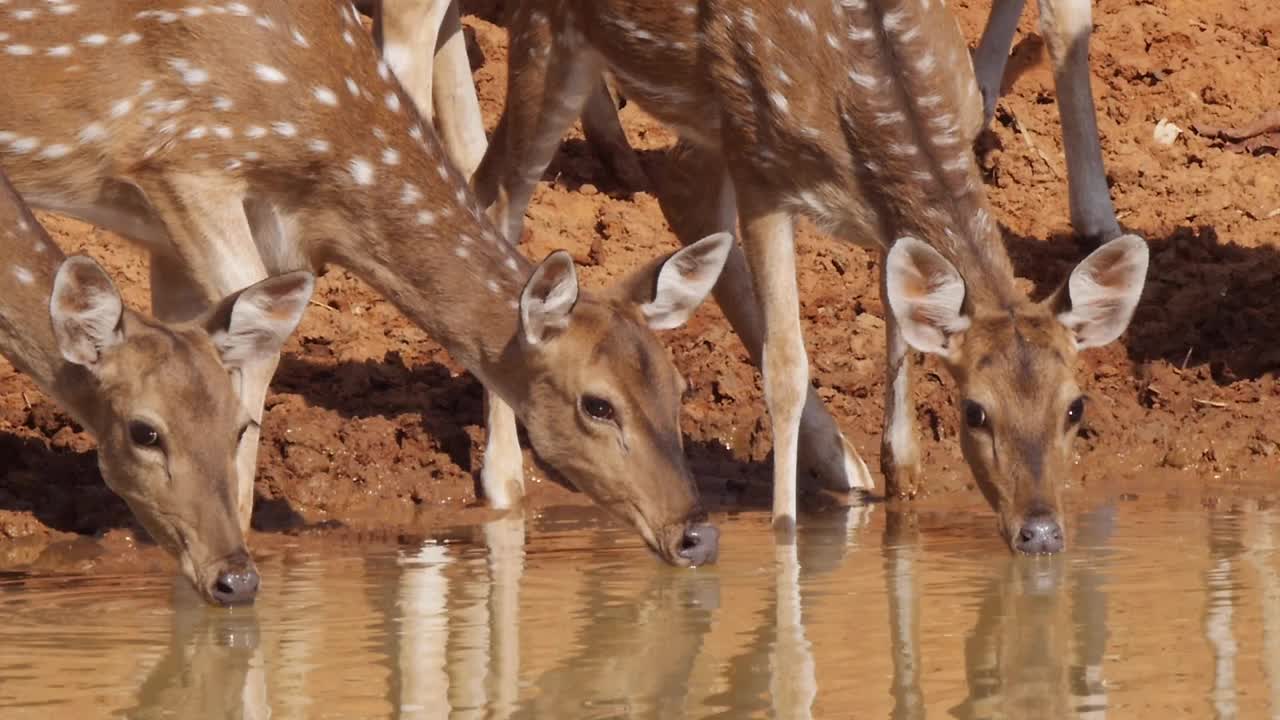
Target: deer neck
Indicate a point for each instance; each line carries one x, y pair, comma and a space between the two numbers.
31, 262
426, 247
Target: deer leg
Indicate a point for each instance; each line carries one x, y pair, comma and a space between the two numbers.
693, 213
458, 116
547, 87
992, 55
604, 133
769, 241
213, 247
1066, 25
408, 29
899, 451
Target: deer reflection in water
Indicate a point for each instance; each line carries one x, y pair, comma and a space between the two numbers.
1036, 648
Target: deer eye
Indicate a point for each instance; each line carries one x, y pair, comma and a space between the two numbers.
1075, 411
975, 416
598, 408
143, 435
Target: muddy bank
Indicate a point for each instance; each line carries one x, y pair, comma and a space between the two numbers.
371, 425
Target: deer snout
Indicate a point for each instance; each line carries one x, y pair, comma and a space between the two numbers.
699, 544
236, 584
1040, 534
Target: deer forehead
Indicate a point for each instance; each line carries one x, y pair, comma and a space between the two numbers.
172, 372
1019, 355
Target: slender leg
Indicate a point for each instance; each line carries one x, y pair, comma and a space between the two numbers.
458, 115
1066, 25
992, 55
213, 247
409, 31
769, 241
604, 133
899, 452
546, 90
694, 213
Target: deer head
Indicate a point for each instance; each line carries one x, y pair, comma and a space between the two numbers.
604, 399
168, 417
1014, 368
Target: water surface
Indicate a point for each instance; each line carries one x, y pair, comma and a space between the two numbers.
1153, 613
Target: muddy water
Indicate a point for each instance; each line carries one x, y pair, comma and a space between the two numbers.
1155, 612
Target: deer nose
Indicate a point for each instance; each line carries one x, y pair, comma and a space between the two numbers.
236, 587
700, 544
1039, 535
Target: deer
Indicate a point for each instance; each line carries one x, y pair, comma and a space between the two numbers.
160, 399
877, 154
233, 140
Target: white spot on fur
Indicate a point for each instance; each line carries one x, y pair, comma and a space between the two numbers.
59, 51
390, 156
253, 132
410, 194
53, 152
802, 17
325, 96
284, 129
92, 133
223, 132
18, 49
361, 171
121, 108
129, 38
779, 101
393, 102
426, 217
300, 39
197, 132
269, 74
94, 40
222, 103
352, 87
317, 145
23, 275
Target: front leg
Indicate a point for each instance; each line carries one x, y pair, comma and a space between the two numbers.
769, 241
992, 55
1066, 25
694, 213
213, 254
899, 450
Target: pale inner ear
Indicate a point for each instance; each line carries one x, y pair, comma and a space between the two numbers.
548, 298
925, 294
86, 311
1104, 290
253, 324
684, 281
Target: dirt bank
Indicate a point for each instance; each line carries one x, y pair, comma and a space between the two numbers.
371, 425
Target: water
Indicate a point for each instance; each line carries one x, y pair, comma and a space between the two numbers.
1154, 613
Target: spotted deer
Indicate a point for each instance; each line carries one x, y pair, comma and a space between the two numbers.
858, 114
241, 138
160, 399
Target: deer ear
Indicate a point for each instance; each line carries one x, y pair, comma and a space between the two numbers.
1098, 299
548, 298
253, 324
86, 311
926, 294
677, 285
